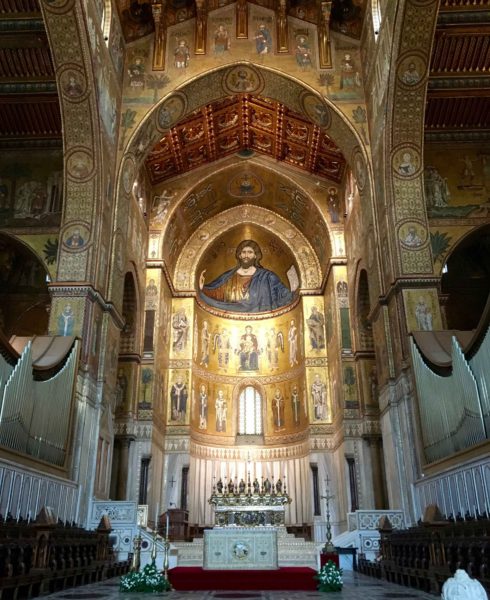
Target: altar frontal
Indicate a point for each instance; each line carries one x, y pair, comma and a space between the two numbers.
246, 517
240, 548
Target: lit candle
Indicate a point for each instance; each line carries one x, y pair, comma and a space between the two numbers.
166, 526
157, 510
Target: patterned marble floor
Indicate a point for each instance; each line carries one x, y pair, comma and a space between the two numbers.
356, 587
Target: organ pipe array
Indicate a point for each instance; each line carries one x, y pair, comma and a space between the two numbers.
35, 415
454, 409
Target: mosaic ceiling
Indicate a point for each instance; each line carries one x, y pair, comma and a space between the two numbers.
245, 124
136, 15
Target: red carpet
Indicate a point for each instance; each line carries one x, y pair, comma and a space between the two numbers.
285, 578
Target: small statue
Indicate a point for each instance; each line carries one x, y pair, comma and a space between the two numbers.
241, 486
267, 486
231, 487
256, 486
219, 486
279, 486
462, 587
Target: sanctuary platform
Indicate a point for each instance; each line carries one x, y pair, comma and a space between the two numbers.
249, 532
285, 578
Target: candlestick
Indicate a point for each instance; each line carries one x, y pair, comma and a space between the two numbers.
165, 558
153, 554
157, 510
329, 547
166, 549
136, 560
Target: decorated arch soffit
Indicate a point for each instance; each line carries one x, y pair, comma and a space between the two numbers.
234, 183
309, 266
405, 135
222, 82
70, 48
215, 85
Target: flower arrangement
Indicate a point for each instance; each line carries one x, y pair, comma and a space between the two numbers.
329, 578
149, 580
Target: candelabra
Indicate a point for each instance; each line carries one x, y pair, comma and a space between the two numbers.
136, 560
329, 547
154, 547
166, 549
166, 545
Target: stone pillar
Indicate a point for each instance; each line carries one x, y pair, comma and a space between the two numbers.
375, 444
124, 443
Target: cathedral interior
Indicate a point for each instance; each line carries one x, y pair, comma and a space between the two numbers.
245, 241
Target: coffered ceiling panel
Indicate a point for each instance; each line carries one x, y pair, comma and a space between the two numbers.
245, 123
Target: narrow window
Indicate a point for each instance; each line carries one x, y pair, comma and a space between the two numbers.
354, 502
105, 21
250, 412
184, 487
316, 490
376, 12
145, 470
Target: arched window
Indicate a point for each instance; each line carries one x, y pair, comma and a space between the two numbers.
105, 22
376, 12
250, 412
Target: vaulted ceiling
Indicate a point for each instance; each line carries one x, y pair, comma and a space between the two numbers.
458, 97
245, 124
29, 106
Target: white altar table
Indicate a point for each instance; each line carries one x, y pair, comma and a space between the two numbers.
240, 548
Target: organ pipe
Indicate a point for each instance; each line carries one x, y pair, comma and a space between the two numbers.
452, 409
35, 415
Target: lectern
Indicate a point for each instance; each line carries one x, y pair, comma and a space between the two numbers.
178, 524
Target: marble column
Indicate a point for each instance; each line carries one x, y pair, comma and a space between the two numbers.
375, 444
124, 443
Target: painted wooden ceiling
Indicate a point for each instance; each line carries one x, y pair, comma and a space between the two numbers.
245, 124
458, 96
29, 105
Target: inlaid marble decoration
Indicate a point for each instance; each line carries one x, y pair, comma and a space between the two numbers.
250, 548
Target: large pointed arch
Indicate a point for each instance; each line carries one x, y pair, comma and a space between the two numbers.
212, 86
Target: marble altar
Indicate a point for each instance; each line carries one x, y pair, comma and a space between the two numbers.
240, 548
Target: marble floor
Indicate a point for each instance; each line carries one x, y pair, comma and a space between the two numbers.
356, 587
